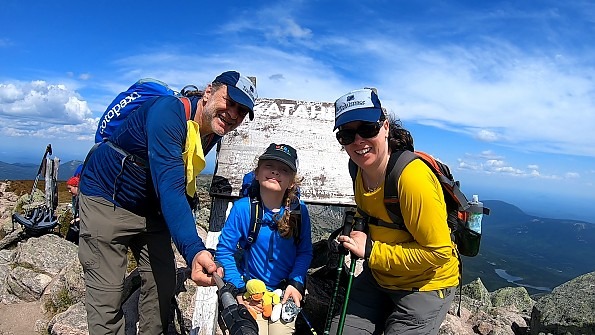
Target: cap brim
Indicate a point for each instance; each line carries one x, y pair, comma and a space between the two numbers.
240, 97
279, 159
362, 114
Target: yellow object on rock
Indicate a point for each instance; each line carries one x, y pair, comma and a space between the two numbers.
194, 157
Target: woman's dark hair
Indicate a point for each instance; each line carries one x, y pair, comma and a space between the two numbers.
399, 138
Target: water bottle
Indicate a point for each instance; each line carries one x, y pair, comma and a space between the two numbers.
476, 214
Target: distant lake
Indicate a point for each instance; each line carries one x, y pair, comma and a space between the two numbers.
512, 279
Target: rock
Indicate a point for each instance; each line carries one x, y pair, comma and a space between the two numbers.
26, 284
476, 290
67, 288
569, 309
48, 253
513, 296
71, 322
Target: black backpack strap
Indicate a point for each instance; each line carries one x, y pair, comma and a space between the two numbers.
297, 213
256, 213
377, 222
353, 172
397, 162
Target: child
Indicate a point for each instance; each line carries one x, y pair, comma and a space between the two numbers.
282, 253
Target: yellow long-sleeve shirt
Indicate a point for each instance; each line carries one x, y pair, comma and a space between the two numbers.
423, 257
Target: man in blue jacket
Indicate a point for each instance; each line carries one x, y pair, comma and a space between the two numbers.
135, 191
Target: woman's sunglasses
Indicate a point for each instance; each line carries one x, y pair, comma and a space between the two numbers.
365, 130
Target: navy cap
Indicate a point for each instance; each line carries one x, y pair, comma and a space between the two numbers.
239, 88
358, 105
283, 153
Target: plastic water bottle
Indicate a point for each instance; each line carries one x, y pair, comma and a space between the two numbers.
476, 214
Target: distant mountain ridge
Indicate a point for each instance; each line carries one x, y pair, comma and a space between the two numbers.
21, 171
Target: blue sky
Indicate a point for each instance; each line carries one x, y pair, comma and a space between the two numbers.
502, 91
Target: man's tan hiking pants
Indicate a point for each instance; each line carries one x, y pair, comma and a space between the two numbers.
106, 234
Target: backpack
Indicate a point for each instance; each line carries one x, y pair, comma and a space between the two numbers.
458, 207
130, 100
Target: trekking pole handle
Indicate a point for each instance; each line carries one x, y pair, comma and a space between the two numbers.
218, 280
359, 224
348, 222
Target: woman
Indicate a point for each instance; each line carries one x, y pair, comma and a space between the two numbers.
282, 253
409, 276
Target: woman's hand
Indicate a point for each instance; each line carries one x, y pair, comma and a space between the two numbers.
355, 242
293, 292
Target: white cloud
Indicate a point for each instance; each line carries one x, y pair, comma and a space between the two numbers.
495, 163
288, 28
572, 175
41, 109
490, 163
486, 135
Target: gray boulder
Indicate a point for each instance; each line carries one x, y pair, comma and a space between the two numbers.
516, 297
569, 309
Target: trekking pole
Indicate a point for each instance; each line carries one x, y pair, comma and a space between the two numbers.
48, 150
357, 226
312, 330
347, 225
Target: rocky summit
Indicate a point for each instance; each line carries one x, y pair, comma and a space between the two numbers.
46, 269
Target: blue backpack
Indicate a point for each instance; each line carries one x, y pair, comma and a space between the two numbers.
130, 100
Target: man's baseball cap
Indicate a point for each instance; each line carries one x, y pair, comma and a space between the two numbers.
283, 153
358, 105
239, 88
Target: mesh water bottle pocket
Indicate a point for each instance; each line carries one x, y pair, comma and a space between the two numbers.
467, 241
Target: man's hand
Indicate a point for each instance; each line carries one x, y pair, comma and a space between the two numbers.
202, 269
293, 292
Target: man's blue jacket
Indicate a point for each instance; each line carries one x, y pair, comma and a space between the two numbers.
156, 133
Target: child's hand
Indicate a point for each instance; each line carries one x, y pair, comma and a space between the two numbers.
293, 292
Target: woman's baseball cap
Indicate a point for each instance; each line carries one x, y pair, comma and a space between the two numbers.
358, 105
239, 88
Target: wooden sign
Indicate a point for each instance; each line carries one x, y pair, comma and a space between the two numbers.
306, 126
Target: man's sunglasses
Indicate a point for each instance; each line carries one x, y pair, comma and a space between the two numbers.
365, 130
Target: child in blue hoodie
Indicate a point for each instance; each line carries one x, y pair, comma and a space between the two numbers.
282, 253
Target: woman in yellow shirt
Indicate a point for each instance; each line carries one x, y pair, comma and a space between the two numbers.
410, 275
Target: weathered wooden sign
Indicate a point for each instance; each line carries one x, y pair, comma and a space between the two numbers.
306, 126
